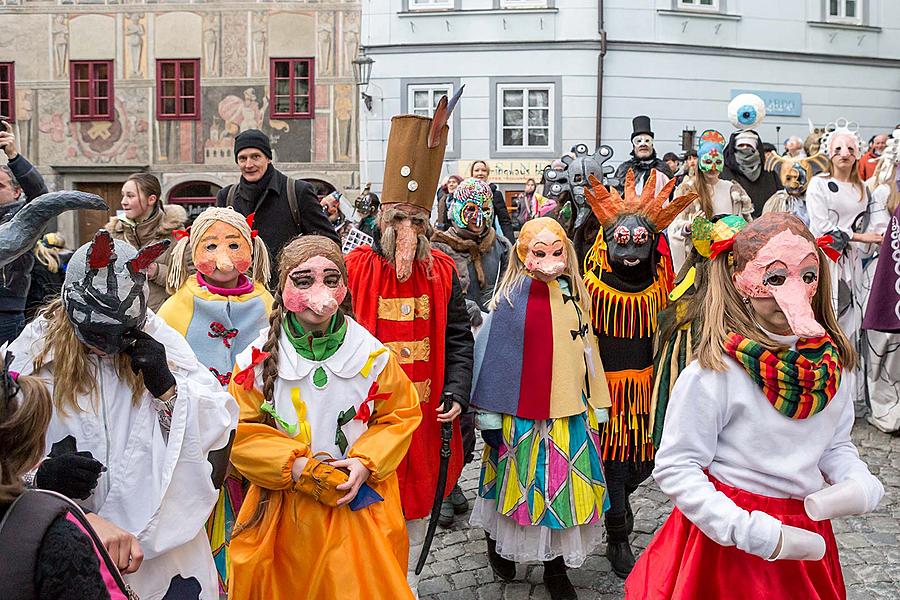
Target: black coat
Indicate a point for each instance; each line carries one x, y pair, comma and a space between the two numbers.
503, 215
759, 191
274, 220
15, 278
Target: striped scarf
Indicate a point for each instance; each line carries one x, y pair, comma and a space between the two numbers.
798, 383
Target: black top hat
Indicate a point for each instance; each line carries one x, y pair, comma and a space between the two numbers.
640, 124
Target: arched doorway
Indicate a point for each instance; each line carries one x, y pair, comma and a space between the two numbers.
194, 196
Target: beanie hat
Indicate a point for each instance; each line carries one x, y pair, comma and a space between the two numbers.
252, 138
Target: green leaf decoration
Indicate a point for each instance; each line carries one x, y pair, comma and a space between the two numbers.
320, 378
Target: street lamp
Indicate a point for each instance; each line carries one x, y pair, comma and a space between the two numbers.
362, 71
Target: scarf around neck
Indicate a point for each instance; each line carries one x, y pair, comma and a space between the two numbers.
312, 346
466, 242
749, 163
798, 383
253, 191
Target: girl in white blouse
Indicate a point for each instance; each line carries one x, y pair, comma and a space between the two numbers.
756, 452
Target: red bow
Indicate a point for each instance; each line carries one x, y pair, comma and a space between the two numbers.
824, 244
181, 233
245, 377
253, 232
365, 413
721, 246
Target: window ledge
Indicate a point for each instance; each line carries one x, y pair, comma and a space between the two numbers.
703, 14
847, 26
446, 12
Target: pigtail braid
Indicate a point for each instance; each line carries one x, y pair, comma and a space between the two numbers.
270, 364
261, 262
177, 272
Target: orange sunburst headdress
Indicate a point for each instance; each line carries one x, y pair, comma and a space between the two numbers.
608, 206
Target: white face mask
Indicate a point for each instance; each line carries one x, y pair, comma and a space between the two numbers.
643, 144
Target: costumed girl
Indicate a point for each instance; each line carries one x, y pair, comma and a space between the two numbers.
752, 509
628, 275
716, 196
220, 310
538, 382
882, 303
327, 414
140, 429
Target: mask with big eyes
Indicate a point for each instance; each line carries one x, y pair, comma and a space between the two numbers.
712, 161
786, 269
472, 207
643, 145
628, 241
314, 290
795, 180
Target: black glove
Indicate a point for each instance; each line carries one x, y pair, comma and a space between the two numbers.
475, 316
148, 357
492, 437
73, 474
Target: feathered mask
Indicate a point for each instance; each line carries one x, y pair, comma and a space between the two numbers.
608, 206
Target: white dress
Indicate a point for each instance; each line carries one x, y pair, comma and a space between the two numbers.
158, 490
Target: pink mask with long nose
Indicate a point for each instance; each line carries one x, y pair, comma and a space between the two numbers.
315, 285
786, 268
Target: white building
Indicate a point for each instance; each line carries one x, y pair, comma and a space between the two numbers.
537, 71
528, 64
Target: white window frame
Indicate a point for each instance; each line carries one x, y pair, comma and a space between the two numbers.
525, 88
842, 17
430, 4
432, 89
695, 5
523, 4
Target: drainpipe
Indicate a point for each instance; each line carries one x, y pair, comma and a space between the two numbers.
602, 32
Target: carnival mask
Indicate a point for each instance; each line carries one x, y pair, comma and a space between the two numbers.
711, 154
403, 229
222, 251
786, 268
542, 248
105, 290
643, 145
314, 289
472, 207
795, 173
629, 241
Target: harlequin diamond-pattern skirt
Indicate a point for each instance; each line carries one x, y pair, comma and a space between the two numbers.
542, 493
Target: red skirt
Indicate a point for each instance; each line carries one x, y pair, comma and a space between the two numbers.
681, 562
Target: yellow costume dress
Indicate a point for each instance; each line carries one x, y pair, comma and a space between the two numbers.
356, 403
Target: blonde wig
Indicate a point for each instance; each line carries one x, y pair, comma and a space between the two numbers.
258, 271
46, 251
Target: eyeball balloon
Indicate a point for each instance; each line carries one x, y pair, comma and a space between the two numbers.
746, 111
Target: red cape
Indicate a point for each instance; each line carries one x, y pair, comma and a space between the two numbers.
374, 280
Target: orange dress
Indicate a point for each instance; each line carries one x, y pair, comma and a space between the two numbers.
301, 548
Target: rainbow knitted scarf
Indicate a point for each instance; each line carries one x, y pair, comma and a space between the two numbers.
798, 383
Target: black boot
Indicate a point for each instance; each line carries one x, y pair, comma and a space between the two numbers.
629, 517
556, 580
618, 550
503, 568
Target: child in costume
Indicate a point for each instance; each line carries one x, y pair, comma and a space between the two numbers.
795, 175
628, 275
140, 430
220, 310
755, 428
538, 382
327, 414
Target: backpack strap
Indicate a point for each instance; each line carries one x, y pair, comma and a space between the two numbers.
229, 198
21, 532
292, 202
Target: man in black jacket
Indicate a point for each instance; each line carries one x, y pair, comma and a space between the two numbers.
19, 183
745, 163
263, 190
643, 158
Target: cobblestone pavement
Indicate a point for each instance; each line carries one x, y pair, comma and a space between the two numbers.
869, 546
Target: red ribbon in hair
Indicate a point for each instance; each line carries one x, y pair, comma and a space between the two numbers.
181, 233
721, 246
825, 245
253, 232
246, 376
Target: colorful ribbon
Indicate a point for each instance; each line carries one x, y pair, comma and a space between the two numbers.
245, 377
825, 245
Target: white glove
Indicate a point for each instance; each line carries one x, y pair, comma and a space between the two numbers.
798, 544
602, 415
840, 500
